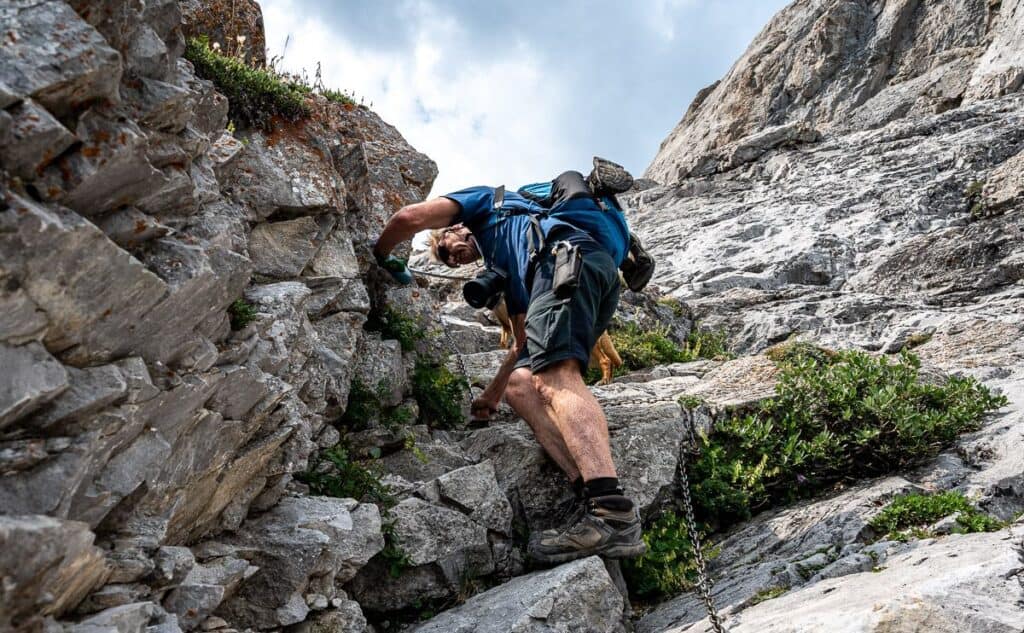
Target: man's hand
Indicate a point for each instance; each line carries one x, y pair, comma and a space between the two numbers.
396, 268
483, 408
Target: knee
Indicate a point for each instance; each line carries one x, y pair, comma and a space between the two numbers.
556, 377
520, 383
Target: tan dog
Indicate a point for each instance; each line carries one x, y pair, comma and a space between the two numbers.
604, 354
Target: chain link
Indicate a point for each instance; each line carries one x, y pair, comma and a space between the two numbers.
704, 583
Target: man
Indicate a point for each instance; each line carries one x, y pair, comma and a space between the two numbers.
541, 378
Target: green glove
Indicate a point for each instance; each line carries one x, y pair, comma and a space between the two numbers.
397, 268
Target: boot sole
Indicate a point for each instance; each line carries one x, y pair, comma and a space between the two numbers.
611, 551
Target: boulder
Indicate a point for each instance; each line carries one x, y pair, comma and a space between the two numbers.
299, 541
443, 549
48, 566
475, 489
577, 596
57, 58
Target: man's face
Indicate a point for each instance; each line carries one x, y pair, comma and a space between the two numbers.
457, 246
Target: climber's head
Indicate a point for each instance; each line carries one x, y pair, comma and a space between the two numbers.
454, 246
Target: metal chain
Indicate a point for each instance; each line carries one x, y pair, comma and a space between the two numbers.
704, 583
438, 275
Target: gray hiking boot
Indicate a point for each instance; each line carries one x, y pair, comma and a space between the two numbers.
599, 530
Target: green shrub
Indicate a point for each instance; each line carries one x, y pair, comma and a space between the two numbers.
668, 566
713, 344
919, 510
242, 313
641, 348
255, 95
439, 394
393, 324
837, 416
347, 479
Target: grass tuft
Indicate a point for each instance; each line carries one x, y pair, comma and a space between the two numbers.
255, 95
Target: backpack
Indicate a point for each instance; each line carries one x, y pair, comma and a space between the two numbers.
612, 232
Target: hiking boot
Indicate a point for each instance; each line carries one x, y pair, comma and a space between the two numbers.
603, 530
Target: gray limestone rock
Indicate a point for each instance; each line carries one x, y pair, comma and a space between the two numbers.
130, 228
21, 320
138, 617
300, 539
475, 489
336, 258
30, 379
88, 390
48, 566
838, 67
283, 175
443, 548
379, 367
578, 596
204, 588
55, 57
36, 139
955, 584
108, 170
1004, 187
281, 250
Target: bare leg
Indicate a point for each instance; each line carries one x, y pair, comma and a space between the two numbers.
578, 417
522, 395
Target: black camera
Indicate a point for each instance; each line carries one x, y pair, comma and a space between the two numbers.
484, 290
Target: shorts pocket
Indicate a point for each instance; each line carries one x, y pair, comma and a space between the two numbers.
548, 326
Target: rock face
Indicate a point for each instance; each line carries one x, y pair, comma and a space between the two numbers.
854, 180
837, 66
187, 366
148, 449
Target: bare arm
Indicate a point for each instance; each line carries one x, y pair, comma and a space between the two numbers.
489, 399
411, 219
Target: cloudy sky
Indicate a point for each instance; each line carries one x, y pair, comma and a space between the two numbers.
510, 92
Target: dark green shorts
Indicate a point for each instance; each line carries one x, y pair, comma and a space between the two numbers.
561, 329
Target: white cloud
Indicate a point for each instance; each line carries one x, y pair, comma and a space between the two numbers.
492, 119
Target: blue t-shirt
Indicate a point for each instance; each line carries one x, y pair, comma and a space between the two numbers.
502, 239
